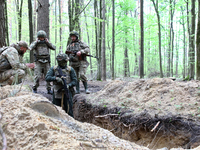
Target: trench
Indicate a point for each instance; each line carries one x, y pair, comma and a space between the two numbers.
143, 129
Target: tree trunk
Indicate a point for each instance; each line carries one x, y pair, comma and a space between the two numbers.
100, 43
6, 24
142, 40
103, 42
43, 20
34, 19
2, 24
19, 10
184, 42
55, 28
60, 22
88, 37
159, 35
30, 15
198, 45
126, 60
113, 39
192, 43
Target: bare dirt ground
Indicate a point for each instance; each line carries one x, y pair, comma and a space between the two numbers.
26, 128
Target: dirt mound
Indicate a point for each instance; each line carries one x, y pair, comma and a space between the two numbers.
28, 129
157, 96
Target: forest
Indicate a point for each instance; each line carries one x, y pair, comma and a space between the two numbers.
131, 38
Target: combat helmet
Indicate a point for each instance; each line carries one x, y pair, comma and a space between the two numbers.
42, 34
62, 59
74, 33
23, 44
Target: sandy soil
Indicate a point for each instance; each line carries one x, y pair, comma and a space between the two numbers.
28, 129
157, 96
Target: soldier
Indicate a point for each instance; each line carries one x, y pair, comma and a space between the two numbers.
12, 68
64, 78
42, 59
77, 52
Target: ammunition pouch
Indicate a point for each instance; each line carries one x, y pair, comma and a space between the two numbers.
42, 59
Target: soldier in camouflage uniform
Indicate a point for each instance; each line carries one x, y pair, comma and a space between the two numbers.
12, 68
77, 52
42, 59
58, 90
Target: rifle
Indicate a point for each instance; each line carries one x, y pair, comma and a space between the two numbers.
74, 52
64, 81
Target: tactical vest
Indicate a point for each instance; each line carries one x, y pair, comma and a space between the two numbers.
58, 86
42, 49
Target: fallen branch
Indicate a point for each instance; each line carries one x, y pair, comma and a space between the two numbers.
155, 126
102, 116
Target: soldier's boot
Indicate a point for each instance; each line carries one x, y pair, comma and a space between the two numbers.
49, 91
86, 87
77, 88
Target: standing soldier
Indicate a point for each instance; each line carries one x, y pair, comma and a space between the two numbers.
42, 59
77, 52
64, 79
12, 68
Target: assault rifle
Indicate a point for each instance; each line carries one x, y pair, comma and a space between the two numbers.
74, 52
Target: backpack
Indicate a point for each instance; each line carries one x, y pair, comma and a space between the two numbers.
4, 63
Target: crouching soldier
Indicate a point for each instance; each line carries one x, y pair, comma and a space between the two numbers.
64, 79
12, 68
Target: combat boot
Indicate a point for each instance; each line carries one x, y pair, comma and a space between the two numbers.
86, 87
77, 88
50, 92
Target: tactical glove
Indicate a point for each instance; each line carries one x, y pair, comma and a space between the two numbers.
59, 80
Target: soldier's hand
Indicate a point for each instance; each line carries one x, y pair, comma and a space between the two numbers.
59, 80
47, 40
78, 53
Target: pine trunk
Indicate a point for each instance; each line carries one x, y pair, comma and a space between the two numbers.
142, 40
113, 39
198, 46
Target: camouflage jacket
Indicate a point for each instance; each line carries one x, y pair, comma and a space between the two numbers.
79, 46
42, 48
13, 57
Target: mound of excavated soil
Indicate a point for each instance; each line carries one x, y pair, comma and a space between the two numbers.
157, 96
28, 129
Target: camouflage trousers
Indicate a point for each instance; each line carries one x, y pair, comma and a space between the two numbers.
81, 70
39, 69
11, 76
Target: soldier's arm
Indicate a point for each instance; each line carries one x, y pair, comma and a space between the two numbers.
73, 78
51, 46
84, 48
50, 75
33, 45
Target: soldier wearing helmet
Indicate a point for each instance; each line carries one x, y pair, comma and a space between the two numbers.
12, 68
77, 51
42, 58
69, 75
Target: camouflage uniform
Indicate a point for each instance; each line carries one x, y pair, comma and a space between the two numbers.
79, 64
70, 78
12, 64
42, 59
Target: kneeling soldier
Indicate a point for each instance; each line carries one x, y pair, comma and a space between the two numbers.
64, 79
12, 68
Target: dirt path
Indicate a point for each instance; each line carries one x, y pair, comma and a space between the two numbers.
94, 86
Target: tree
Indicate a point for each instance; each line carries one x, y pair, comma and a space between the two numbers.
192, 43
141, 40
103, 42
113, 39
159, 35
2, 24
30, 16
19, 16
43, 16
198, 45
6, 17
